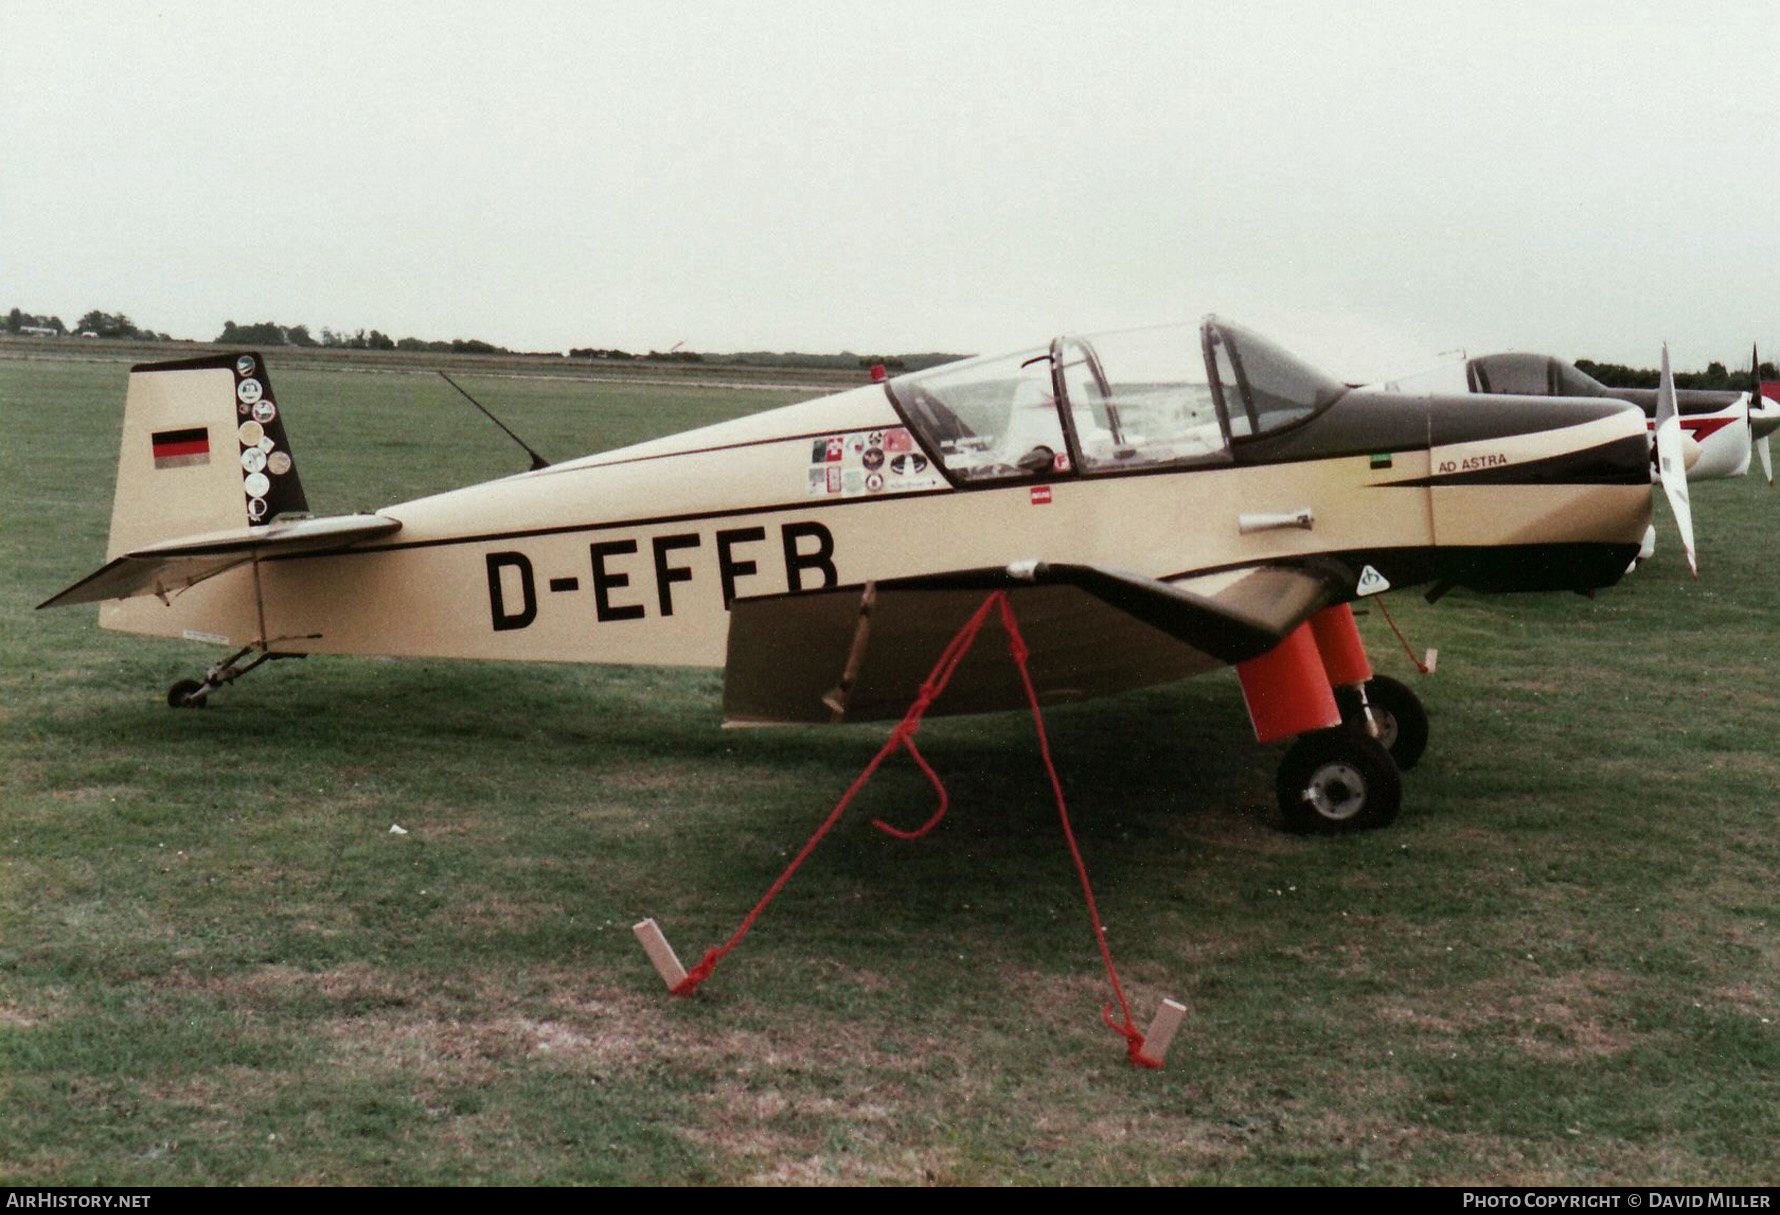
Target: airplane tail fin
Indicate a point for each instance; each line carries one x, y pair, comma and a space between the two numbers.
204, 450
206, 489
203, 472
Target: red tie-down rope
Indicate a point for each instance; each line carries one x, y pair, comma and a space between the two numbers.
1421, 666
904, 736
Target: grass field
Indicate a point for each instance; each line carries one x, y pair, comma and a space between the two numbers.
218, 965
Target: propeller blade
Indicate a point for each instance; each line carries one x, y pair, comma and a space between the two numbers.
1758, 401
1671, 463
1754, 388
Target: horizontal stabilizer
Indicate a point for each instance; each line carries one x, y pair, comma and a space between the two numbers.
173, 565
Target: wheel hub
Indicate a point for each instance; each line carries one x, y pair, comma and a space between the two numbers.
1387, 727
1337, 791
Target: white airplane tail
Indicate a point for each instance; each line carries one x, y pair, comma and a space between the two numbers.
206, 491
204, 450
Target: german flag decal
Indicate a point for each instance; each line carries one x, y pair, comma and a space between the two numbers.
181, 448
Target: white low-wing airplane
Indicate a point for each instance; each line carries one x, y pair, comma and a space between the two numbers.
1155, 502
1727, 425
1724, 426
1713, 435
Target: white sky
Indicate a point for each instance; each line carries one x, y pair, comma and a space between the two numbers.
1369, 183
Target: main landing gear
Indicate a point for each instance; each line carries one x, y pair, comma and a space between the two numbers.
1397, 715
1356, 732
1338, 780
195, 693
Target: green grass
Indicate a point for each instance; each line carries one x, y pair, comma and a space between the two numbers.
219, 966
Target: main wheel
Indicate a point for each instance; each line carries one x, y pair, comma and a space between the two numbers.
1402, 721
1335, 781
179, 696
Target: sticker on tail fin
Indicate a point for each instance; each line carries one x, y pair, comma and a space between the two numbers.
264, 448
183, 456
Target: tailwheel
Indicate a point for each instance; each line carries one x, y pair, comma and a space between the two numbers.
1336, 781
1396, 710
195, 693
179, 696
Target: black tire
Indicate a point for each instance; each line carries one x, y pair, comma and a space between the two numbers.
1336, 781
1402, 721
179, 695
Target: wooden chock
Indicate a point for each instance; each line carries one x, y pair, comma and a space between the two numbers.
1155, 1042
667, 962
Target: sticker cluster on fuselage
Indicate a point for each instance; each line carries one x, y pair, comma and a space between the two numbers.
869, 462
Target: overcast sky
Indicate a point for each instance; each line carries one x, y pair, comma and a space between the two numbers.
1370, 184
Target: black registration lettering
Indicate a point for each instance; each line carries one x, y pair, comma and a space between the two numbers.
821, 557
499, 615
728, 567
666, 575
605, 581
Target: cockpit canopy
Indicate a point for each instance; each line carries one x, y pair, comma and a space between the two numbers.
1531, 375
1170, 395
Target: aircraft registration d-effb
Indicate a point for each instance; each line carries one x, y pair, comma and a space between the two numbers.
1156, 503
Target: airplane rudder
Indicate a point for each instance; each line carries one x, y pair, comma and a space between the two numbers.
204, 449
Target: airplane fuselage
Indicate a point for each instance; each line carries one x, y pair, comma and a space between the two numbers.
633, 556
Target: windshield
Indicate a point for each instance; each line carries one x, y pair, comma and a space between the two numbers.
1264, 387
1531, 375
1519, 375
1572, 381
1133, 398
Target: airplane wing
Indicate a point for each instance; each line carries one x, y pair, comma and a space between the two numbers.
860, 653
174, 565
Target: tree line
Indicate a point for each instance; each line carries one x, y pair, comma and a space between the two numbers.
93, 324
1716, 377
846, 359
271, 333
98, 323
